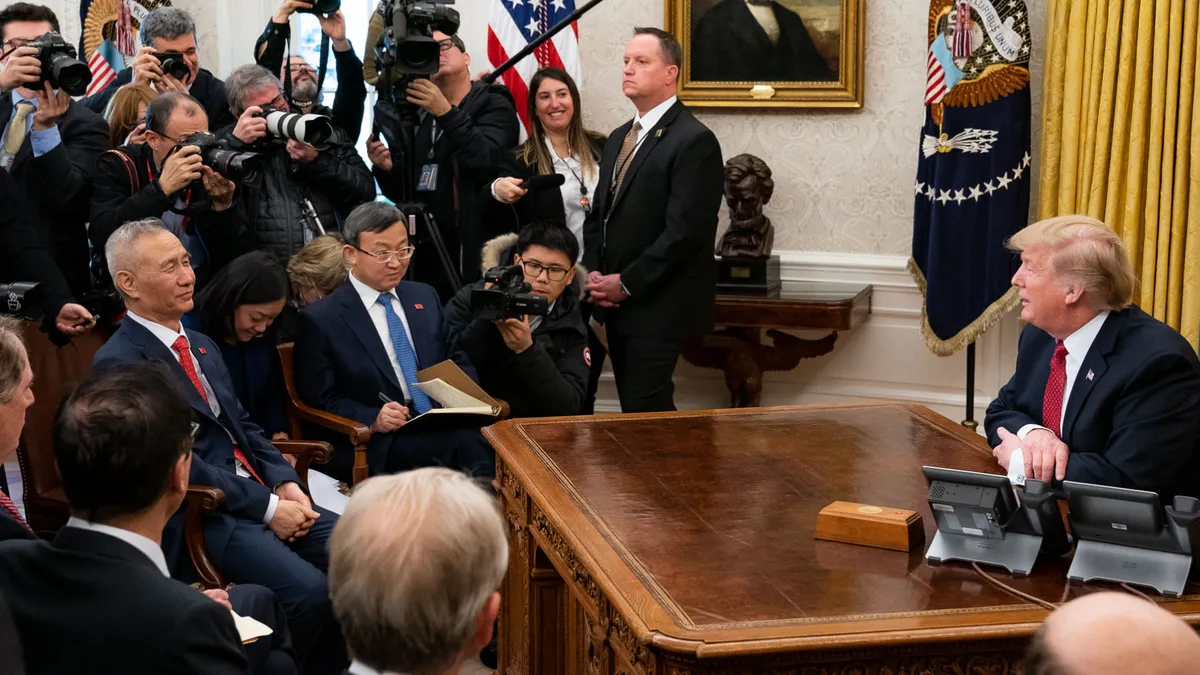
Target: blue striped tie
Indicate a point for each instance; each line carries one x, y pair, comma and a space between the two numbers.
405, 355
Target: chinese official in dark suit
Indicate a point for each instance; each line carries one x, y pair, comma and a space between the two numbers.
755, 41
1103, 393
367, 341
267, 531
98, 599
649, 240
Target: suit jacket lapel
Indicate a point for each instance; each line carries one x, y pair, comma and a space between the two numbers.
356, 317
1094, 365
648, 145
418, 326
154, 350
226, 399
608, 164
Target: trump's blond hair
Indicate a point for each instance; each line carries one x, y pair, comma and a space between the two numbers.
1086, 251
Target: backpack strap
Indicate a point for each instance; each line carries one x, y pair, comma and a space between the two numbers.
135, 181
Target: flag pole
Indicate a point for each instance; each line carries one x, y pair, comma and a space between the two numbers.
970, 422
539, 41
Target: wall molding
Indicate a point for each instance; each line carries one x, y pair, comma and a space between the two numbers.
882, 359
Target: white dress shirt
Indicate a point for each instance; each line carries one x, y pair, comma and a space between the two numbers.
650, 119
147, 546
167, 336
572, 172
360, 668
1077, 344
370, 298
765, 16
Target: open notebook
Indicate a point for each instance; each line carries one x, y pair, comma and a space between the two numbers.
458, 395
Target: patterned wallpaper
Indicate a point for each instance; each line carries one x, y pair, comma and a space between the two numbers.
843, 179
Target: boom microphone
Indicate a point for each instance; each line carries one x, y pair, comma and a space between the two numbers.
544, 182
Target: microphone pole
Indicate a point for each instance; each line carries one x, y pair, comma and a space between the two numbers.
539, 41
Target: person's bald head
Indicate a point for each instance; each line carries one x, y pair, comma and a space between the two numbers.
1104, 633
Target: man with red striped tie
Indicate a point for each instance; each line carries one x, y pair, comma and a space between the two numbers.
1103, 393
267, 531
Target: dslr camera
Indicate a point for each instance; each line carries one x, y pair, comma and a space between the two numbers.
323, 7
318, 131
508, 298
172, 64
240, 167
60, 67
22, 299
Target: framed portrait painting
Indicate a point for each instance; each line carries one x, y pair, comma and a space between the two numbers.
770, 53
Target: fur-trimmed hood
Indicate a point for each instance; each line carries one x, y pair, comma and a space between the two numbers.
501, 249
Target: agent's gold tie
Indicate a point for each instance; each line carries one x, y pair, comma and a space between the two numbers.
623, 158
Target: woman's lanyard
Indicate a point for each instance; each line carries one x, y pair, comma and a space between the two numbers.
584, 202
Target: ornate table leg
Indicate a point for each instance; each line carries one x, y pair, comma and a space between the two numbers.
740, 353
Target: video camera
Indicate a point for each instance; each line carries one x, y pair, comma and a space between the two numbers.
23, 299
318, 131
240, 167
508, 298
60, 65
407, 50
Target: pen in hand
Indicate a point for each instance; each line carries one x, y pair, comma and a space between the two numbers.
386, 399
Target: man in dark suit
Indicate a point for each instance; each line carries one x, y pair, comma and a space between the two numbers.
268, 531
755, 41
170, 29
367, 341
1103, 393
48, 143
649, 240
122, 445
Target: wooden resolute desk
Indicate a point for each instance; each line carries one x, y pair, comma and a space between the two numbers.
681, 544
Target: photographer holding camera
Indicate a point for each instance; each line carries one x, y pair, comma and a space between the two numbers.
169, 61
166, 178
49, 143
466, 128
539, 364
305, 192
350, 100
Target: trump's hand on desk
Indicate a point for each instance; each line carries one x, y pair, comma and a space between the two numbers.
1045, 455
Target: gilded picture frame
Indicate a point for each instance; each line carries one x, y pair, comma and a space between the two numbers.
770, 53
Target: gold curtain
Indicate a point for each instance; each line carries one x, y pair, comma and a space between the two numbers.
1121, 124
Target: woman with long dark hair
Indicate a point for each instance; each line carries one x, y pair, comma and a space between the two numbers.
558, 143
237, 309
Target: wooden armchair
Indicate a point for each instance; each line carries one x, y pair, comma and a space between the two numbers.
200, 499
299, 412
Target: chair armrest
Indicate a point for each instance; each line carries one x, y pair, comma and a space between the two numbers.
305, 452
198, 500
505, 410
358, 433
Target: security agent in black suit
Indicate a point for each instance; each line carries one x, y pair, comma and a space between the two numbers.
755, 41
649, 239
170, 29
48, 143
122, 441
1103, 393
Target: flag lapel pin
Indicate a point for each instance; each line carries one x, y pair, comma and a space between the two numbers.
419, 306
1091, 375
202, 352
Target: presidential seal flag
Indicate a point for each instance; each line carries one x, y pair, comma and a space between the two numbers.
972, 185
110, 36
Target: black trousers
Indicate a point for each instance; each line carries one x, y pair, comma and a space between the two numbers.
644, 368
597, 353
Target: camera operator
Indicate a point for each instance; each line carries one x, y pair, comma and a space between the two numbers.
305, 192
169, 34
466, 129
49, 143
538, 364
160, 179
350, 100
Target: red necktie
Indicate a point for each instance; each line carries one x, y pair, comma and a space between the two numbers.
11, 508
185, 359
1056, 385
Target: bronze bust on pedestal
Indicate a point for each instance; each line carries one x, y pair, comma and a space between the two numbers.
746, 264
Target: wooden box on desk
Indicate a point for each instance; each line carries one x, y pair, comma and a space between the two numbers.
895, 529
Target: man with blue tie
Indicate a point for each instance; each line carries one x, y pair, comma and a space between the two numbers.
367, 340
267, 530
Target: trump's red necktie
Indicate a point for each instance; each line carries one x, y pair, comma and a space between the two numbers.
185, 359
1056, 385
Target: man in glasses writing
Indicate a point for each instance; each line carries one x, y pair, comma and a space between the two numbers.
539, 365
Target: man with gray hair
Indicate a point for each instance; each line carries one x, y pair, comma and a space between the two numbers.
415, 567
1103, 393
305, 192
170, 33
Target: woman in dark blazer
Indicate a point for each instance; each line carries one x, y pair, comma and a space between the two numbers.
237, 309
558, 144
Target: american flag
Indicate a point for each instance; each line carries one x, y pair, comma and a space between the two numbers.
516, 23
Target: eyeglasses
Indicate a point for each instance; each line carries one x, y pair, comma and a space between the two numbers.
385, 257
9, 46
446, 44
533, 270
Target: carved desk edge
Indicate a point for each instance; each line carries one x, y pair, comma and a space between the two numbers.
527, 486
746, 311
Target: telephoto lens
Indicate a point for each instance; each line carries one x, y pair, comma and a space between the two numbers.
315, 130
